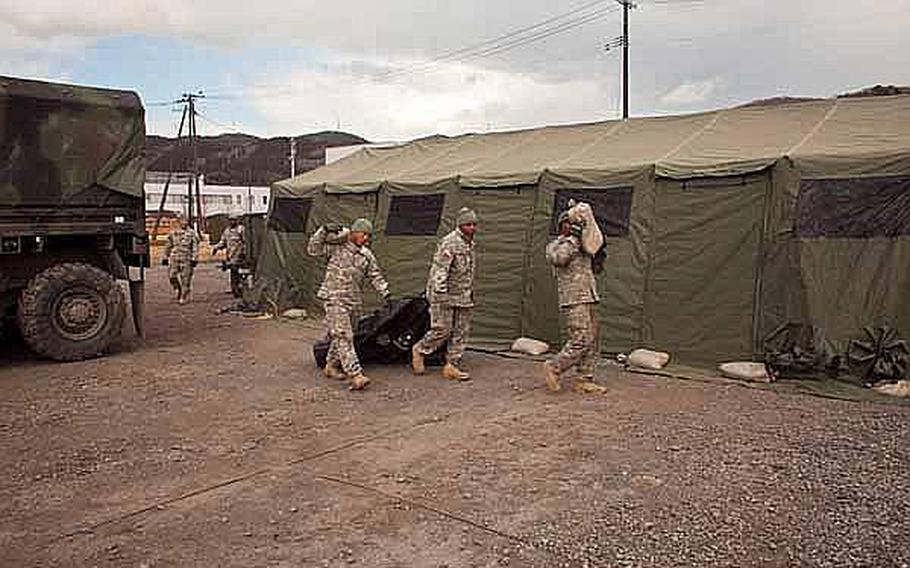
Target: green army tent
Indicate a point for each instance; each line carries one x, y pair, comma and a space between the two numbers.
720, 225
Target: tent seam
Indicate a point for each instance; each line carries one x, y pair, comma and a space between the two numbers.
609, 133
809, 135
506, 151
691, 137
446, 152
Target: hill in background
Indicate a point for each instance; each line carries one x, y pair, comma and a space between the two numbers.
242, 159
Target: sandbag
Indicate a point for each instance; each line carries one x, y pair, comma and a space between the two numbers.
591, 238
294, 313
900, 388
648, 359
530, 346
746, 371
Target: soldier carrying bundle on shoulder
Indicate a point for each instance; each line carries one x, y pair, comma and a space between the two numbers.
573, 265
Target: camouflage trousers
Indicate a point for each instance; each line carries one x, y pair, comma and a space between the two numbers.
236, 282
582, 347
180, 273
339, 323
447, 323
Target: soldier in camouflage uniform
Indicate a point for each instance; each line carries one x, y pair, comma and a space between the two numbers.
450, 291
350, 263
578, 301
181, 253
234, 246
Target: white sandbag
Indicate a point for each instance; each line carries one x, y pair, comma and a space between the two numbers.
900, 388
648, 359
591, 237
746, 371
530, 346
294, 313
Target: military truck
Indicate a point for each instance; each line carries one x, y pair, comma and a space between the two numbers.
72, 215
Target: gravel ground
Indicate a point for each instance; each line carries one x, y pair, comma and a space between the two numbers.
215, 443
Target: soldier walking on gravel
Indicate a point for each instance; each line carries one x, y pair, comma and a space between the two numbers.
350, 263
234, 246
450, 291
578, 301
181, 253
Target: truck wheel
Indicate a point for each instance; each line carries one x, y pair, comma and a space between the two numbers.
71, 311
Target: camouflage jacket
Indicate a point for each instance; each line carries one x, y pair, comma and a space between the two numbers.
348, 267
232, 243
451, 278
574, 275
182, 245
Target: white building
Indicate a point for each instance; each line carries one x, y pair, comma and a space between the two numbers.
216, 199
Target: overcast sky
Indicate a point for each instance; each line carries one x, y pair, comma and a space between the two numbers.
379, 68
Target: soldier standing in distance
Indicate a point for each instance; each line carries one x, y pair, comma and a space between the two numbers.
181, 254
350, 262
233, 243
578, 301
450, 291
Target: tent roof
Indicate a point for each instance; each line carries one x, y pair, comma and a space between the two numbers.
827, 137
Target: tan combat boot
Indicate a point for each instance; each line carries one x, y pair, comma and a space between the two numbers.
586, 385
417, 363
331, 371
453, 373
552, 377
359, 382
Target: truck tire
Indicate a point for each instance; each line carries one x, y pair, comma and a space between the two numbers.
71, 312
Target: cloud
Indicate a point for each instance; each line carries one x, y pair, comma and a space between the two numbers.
43, 20
684, 56
692, 92
447, 99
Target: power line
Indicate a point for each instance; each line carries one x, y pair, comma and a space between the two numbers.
566, 26
217, 124
506, 42
554, 25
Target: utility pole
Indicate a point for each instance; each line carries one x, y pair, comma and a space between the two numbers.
625, 60
626, 5
194, 193
293, 156
623, 41
167, 182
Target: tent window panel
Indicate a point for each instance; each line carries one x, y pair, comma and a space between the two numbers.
290, 215
612, 208
415, 215
858, 208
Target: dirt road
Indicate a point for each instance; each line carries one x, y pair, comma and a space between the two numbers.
215, 443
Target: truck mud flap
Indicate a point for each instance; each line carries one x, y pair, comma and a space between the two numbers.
137, 303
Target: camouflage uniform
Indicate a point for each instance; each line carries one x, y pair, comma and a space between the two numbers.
181, 252
578, 303
348, 266
450, 291
232, 241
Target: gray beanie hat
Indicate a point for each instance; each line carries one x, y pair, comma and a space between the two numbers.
362, 225
465, 216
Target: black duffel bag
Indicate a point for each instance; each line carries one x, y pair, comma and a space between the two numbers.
387, 335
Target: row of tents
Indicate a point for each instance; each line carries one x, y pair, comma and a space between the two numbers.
721, 226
